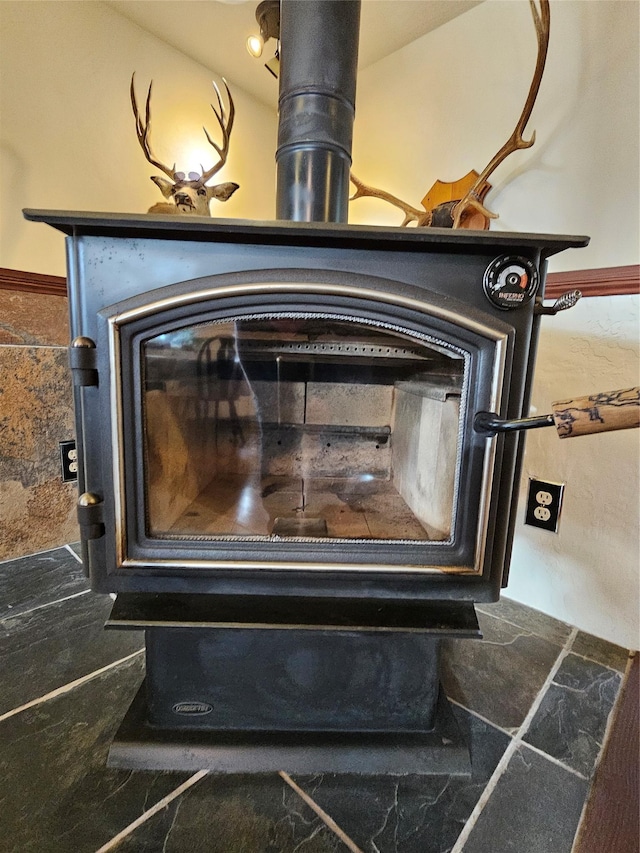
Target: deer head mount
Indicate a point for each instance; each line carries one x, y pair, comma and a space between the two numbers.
188, 193
464, 207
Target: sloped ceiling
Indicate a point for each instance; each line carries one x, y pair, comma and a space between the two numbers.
214, 32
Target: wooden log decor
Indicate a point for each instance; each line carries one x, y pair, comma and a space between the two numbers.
609, 410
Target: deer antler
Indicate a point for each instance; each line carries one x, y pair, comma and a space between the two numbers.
225, 120
515, 142
226, 125
143, 130
411, 214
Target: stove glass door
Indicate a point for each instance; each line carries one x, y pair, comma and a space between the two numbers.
301, 426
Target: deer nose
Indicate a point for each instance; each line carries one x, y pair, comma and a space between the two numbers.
183, 198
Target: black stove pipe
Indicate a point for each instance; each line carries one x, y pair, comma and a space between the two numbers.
318, 61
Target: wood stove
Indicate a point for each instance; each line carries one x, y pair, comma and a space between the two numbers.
280, 475
280, 471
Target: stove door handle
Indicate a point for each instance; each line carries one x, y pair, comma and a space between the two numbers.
604, 412
491, 424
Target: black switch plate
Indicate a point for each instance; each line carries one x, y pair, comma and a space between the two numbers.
544, 504
69, 461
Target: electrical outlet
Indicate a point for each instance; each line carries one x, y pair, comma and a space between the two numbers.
69, 461
543, 504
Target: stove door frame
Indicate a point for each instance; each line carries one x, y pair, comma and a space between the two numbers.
132, 561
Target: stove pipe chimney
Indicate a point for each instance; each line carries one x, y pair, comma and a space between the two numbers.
319, 55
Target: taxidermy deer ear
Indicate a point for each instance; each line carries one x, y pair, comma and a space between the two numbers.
222, 192
163, 185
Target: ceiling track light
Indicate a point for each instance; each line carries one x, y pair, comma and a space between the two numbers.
268, 19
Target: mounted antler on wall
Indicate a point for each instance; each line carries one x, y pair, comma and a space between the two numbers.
460, 204
188, 193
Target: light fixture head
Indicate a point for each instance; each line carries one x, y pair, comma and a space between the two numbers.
268, 18
255, 45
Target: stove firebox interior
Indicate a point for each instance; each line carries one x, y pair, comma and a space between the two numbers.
281, 479
296, 426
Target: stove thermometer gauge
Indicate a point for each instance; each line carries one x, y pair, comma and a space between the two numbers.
510, 281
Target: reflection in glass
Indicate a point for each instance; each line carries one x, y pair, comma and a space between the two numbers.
300, 426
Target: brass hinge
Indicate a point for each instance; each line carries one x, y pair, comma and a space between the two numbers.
83, 362
90, 516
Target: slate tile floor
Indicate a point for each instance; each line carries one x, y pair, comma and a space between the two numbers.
532, 698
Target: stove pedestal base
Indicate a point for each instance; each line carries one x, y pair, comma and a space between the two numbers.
324, 687
138, 746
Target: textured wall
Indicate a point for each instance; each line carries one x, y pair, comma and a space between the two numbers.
588, 572
37, 510
67, 136
445, 104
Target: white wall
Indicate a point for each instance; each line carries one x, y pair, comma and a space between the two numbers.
588, 573
445, 104
67, 137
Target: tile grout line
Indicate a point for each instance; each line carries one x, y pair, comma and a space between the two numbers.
33, 554
512, 747
600, 663
510, 735
73, 553
557, 761
67, 688
542, 636
480, 717
529, 631
34, 346
149, 813
11, 615
324, 817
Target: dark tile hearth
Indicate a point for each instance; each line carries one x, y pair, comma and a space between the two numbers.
49, 647
57, 794
411, 814
572, 718
500, 676
535, 808
239, 813
39, 579
600, 651
531, 769
531, 620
